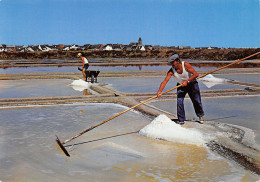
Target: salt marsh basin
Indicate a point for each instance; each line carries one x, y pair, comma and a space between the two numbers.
115, 151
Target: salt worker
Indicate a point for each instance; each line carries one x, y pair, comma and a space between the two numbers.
84, 66
185, 76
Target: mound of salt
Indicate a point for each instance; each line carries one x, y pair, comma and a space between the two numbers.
80, 85
210, 80
164, 128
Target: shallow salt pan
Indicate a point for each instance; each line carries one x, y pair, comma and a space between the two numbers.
164, 128
111, 153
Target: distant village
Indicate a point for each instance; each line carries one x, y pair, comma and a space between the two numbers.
92, 47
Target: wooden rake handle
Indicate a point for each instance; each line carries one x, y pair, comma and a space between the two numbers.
92, 127
228, 65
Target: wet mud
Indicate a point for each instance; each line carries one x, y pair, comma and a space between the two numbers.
247, 162
234, 148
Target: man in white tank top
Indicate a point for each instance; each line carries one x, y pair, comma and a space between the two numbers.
85, 65
185, 76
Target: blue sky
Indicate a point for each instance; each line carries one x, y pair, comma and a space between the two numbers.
221, 23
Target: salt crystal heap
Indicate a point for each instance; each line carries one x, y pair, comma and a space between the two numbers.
80, 85
164, 128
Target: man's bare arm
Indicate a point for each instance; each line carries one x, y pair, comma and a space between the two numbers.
164, 83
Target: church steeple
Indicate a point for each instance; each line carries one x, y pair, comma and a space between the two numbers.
140, 42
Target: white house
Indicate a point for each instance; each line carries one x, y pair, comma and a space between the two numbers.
45, 48
74, 47
2, 48
107, 48
142, 48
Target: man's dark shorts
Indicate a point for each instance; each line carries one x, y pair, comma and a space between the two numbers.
86, 66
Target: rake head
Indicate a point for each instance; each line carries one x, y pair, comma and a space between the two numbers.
62, 147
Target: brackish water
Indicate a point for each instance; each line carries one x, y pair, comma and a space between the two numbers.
63, 87
36, 88
111, 152
152, 84
114, 151
75, 69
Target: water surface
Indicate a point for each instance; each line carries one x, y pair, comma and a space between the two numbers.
100, 68
111, 152
36, 88
152, 84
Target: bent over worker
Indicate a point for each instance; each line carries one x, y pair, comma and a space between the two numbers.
84, 66
185, 76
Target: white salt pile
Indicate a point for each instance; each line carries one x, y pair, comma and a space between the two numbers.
80, 85
210, 80
164, 128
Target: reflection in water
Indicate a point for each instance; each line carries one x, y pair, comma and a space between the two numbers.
205, 64
140, 67
86, 92
99, 68
104, 138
